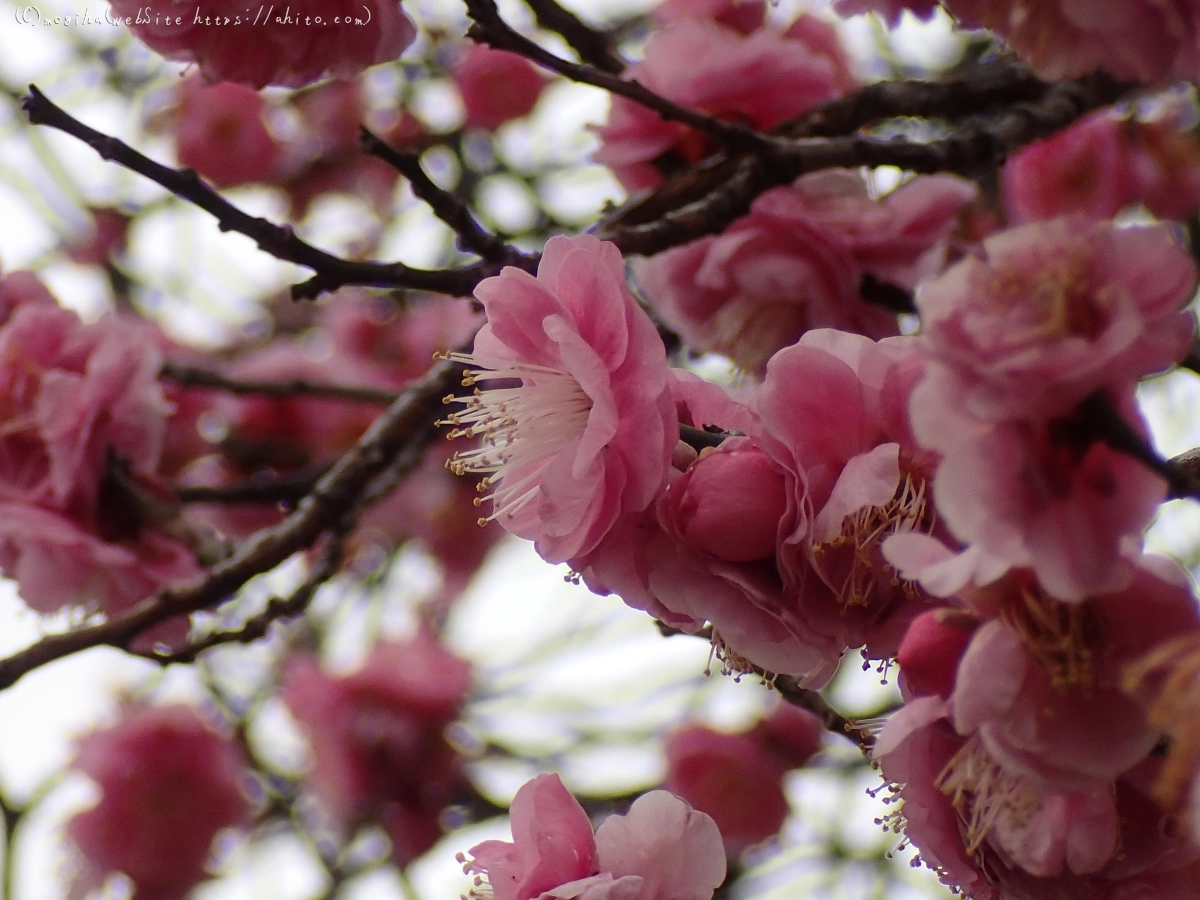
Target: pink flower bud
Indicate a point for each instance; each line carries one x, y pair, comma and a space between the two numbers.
931, 650
729, 503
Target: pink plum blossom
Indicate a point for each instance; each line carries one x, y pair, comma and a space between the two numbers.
737, 779
1047, 495
1026, 773
1136, 40
668, 562
830, 408
297, 46
220, 132
760, 79
797, 262
1052, 311
1084, 170
397, 343
168, 784
588, 434
496, 86
377, 737
78, 399
662, 849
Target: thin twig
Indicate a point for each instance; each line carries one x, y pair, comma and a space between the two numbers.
490, 28
279, 241
446, 206
190, 376
591, 45
274, 489
789, 688
277, 608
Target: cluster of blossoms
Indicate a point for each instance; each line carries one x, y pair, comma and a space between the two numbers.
965, 497
961, 500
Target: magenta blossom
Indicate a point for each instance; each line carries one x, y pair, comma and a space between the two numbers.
1055, 310
496, 86
588, 433
1086, 169
798, 260
1136, 40
377, 737
760, 79
291, 47
220, 132
662, 849
168, 784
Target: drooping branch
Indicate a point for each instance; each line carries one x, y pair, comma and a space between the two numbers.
280, 241
592, 46
191, 376
405, 428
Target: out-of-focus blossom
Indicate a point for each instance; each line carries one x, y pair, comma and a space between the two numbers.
290, 47
103, 240
737, 779
1137, 40
80, 401
169, 783
377, 737
398, 343
797, 262
760, 79
588, 433
496, 86
662, 849
1084, 170
20, 288
221, 134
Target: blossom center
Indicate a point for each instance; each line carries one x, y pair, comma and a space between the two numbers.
521, 429
1063, 638
984, 794
862, 533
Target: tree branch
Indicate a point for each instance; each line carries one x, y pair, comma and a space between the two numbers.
279, 241
789, 688
446, 206
277, 608
591, 45
974, 146
190, 376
